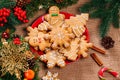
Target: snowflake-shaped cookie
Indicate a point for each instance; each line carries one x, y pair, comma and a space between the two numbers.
53, 58
59, 36
50, 76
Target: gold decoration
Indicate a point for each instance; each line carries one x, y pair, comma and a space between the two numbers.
13, 59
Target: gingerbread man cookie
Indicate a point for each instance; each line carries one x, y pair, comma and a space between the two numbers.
54, 18
37, 39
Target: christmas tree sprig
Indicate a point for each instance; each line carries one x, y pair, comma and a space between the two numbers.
107, 10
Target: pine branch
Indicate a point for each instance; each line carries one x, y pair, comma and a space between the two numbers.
105, 25
7, 3
100, 13
34, 5
107, 10
36, 69
13, 20
115, 15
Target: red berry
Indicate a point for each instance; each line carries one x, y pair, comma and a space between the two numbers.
8, 11
1, 13
5, 35
23, 14
1, 19
26, 21
1, 24
20, 18
4, 14
5, 20
16, 13
24, 17
17, 41
7, 14
20, 11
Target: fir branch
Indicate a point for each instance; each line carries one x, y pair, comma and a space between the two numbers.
47, 3
34, 5
7, 3
36, 70
105, 25
115, 14
13, 20
9, 77
107, 10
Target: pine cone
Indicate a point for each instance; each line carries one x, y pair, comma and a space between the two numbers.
107, 42
21, 3
31, 63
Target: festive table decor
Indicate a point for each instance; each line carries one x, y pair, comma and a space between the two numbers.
16, 60
15, 12
107, 10
105, 69
60, 36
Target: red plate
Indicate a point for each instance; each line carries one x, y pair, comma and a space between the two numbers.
41, 19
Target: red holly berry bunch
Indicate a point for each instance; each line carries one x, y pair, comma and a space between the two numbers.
16, 41
4, 13
21, 14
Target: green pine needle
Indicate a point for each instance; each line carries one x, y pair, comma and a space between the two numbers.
106, 10
7, 3
104, 26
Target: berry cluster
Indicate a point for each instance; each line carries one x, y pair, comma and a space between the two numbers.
21, 14
4, 13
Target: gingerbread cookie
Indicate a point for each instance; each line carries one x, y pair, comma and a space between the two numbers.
54, 18
44, 26
71, 53
84, 46
77, 24
59, 38
32, 32
37, 39
50, 76
53, 58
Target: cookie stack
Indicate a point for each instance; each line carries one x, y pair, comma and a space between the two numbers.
60, 39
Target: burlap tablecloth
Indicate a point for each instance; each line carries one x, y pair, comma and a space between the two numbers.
84, 69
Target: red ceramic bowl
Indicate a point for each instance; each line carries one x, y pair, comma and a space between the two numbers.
41, 19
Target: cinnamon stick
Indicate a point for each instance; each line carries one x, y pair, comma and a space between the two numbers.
96, 59
98, 49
